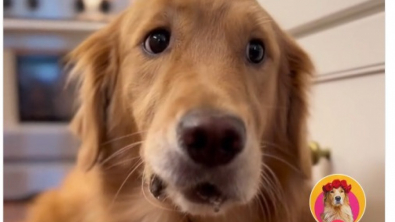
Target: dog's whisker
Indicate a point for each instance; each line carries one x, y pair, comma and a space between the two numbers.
269, 151
122, 137
124, 182
268, 214
120, 151
272, 174
270, 188
279, 191
264, 209
269, 145
285, 162
265, 143
270, 194
261, 207
122, 162
273, 182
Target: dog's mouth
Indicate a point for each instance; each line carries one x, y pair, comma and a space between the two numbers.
156, 187
203, 193
206, 193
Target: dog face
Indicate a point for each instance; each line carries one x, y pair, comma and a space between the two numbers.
336, 197
207, 82
204, 141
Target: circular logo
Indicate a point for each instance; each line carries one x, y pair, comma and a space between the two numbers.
337, 198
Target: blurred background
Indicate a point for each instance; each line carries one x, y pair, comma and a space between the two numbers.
345, 38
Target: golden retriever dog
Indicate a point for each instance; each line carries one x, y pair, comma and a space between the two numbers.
190, 110
336, 202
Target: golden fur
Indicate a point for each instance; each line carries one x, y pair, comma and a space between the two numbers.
337, 212
130, 102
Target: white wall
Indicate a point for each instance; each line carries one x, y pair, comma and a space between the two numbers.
346, 41
348, 116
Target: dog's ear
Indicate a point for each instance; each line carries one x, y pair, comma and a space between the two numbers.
95, 67
325, 196
346, 199
296, 72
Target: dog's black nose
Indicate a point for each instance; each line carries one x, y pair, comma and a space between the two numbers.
211, 138
337, 198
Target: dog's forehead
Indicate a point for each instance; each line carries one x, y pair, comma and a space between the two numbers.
243, 12
199, 4
338, 189
204, 27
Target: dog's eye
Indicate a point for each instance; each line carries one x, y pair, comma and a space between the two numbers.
255, 51
332, 191
157, 41
341, 191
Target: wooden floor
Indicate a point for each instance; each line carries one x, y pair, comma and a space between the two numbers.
14, 211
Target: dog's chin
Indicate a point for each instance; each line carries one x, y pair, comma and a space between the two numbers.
191, 204
205, 192
338, 204
205, 199
202, 198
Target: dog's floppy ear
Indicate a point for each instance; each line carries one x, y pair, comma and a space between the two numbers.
95, 68
325, 196
296, 75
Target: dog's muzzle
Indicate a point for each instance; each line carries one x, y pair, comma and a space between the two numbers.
338, 200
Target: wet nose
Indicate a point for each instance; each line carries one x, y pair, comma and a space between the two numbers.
337, 198
211, 138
